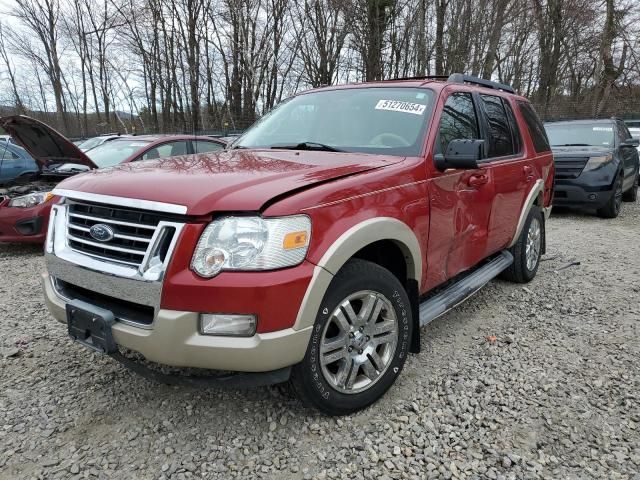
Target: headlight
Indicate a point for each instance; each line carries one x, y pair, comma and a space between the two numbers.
597, 162
251, 243
30, 200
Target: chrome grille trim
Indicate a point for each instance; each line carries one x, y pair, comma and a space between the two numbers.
116, 222
107, 246
122, 201
117, 235
149, 268
138, 235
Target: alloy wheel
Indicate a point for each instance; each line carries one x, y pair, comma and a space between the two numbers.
534, 240
618, 195
358, 342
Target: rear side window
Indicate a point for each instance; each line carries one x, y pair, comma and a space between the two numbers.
515, 130
458, 121
204, 146
9, 155
500, 141
170, 149
534, 125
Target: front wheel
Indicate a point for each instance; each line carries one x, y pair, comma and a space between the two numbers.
527, 249
631, 195
359, 343
612, 208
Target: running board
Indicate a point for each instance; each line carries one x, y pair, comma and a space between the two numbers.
457, 293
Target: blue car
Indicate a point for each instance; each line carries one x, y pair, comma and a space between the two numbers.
15, 162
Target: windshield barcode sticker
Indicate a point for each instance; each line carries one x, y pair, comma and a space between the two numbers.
398, 106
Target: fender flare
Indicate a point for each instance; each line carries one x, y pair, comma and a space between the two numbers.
536, 192
345, 247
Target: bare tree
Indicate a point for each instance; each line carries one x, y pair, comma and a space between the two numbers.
41, 18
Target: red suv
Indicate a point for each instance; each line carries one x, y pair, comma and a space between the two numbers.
316, 246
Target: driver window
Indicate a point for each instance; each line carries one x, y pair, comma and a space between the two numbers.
458, 121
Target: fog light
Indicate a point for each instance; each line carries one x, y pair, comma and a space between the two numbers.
592, 196
228, 325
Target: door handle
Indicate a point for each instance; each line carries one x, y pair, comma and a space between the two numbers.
477, 180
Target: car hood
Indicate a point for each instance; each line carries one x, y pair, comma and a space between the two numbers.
590, 151
232, 180
43, 143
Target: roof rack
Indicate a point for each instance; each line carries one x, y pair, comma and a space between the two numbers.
461, 78
423, 77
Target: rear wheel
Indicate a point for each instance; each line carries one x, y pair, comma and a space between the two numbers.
612, 208
359, 343
631, 195
527, 249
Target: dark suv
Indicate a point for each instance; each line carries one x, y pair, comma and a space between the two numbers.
596, 164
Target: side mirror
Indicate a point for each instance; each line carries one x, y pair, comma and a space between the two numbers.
463, 154
631, 142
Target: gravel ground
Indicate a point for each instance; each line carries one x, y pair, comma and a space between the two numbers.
556, 396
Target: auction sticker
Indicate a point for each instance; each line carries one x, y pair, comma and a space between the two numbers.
399, 106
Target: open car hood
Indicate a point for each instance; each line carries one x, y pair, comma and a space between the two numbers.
42, 142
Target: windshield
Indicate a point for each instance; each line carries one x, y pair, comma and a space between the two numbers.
90, 143
389, 121
580, 134
114, 152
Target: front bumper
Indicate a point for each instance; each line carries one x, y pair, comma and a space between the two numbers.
174, 340
27, 225
579, 196
591, 189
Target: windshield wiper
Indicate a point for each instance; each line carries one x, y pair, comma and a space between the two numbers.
308, 146
574, 145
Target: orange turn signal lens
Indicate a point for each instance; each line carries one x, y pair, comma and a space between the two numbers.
48, 197
294, 240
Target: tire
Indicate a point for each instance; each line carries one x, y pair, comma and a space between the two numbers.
527, 249
326, 379
612, 208
631, 195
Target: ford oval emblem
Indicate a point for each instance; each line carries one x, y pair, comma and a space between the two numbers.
101, 232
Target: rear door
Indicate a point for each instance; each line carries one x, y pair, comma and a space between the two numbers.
460, 199
513, 174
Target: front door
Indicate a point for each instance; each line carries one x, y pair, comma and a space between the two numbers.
629, 155
460, 199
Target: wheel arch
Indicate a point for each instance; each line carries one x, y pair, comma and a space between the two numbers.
365, 240
535, 197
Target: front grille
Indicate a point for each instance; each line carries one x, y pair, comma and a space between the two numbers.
133, 232
570, 167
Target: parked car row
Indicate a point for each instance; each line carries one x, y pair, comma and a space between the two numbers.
596, 163
25, 207
314, 247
